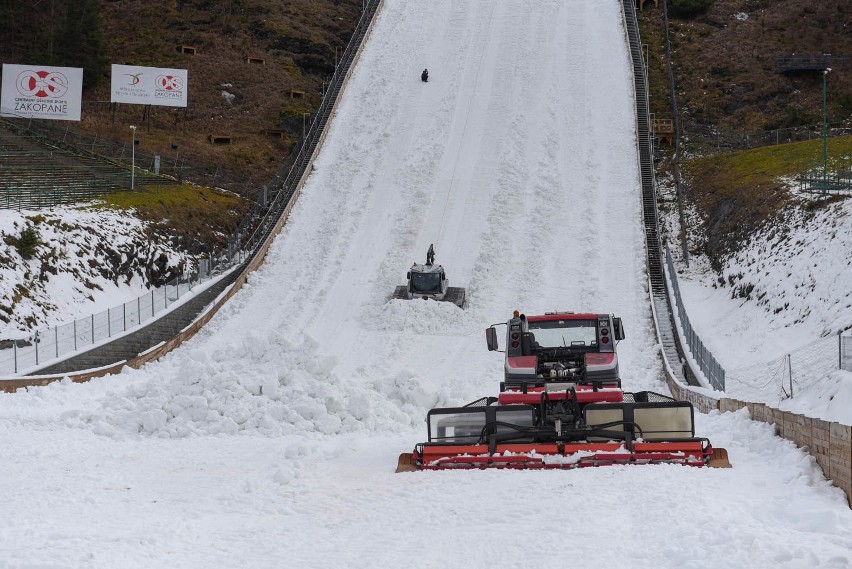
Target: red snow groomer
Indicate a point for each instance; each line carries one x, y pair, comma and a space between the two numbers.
561, 406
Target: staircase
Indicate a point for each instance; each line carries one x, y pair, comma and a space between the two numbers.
672, 349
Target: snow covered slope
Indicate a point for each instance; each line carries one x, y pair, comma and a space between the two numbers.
270, 439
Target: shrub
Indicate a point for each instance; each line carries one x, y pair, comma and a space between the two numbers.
28, 242
689, 8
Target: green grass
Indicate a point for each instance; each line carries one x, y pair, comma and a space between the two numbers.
760, 167
181, 196
735, 193
194, 213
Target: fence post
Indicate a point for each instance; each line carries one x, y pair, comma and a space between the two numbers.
36, 346
15, 354
790, 373
75, 334
93, 328
139, 309
839, 349
124, 316
56, 339
152, 303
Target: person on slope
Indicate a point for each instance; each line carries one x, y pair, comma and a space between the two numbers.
424, 76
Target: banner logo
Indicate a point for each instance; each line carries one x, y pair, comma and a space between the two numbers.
169, 83
42, 84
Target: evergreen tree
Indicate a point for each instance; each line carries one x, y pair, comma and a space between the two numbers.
79, 43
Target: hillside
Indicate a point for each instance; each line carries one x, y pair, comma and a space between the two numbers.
726, 67
295, 40
731, 97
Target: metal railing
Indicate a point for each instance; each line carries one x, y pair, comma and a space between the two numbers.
47, 344
708, 365
659, 292
799, 370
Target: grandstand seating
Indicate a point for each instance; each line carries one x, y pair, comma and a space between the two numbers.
35, 173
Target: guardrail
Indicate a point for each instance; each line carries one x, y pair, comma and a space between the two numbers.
709, 366
21, 355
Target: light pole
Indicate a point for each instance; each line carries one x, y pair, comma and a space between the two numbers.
133, 158
825, 72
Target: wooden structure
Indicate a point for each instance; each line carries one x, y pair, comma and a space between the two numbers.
809, 62
220, 139
295, 94
255, 60
186, 49
663, 130
277, 132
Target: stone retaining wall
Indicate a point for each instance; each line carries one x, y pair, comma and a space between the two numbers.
828, 442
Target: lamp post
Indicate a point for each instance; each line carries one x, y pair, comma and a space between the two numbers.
825, 72
133, 158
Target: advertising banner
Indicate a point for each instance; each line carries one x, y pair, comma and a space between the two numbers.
148, 86
41, 92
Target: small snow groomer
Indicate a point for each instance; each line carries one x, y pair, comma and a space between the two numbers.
561, 406
429, 281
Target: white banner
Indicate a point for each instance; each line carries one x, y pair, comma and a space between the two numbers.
41, 92
149, 86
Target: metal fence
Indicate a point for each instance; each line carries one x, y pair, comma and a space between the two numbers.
708, 365
832, 177
47, 344
796, 371
725, 141
91, 145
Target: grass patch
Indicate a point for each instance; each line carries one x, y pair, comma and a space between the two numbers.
737, 192
748, 170
194, 214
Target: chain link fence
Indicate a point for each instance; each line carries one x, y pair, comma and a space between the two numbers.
708, 365
794, 372
726, 141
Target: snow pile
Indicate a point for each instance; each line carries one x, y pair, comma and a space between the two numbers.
798, 268
418, 316
282, 387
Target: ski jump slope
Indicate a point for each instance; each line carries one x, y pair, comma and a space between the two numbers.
270, 439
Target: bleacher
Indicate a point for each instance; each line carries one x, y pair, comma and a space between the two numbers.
36, 173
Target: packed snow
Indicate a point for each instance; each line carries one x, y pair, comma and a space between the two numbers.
270, 439
773, 316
